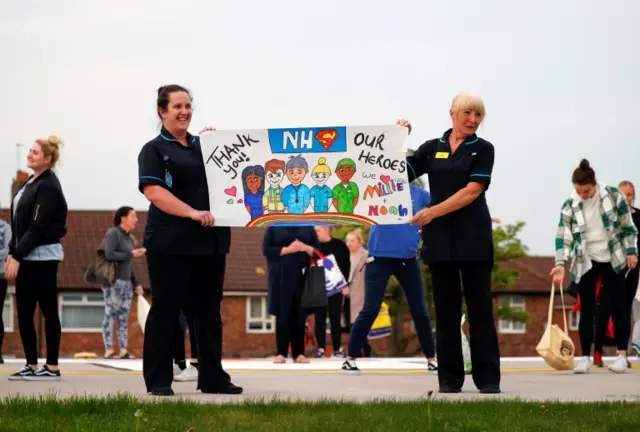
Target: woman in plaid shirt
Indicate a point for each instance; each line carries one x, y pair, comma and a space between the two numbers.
596, 227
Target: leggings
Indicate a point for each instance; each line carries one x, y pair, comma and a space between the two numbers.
334, 308
613, 287
36, 285
117, 302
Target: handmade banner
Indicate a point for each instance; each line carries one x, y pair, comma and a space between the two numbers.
308, 176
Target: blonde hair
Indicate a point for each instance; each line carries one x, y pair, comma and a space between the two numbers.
357, 233
468, 101
629, 184
322, 167
50, 147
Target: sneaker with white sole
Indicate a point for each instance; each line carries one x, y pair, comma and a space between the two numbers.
22, 373
44, 374
619, 365
339, 355
583, 365
349, 367
189, 374
176, 370
432, 365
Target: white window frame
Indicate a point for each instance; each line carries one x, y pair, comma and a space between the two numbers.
83, 302
574, 315
264, 320
507, 326
10, 300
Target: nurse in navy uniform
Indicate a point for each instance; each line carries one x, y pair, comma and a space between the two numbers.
186, 252
458, 243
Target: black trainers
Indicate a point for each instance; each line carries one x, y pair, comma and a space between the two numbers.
432, 365
22, 373
349, 367
44, 374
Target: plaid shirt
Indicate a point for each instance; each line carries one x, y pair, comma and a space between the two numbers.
616, 217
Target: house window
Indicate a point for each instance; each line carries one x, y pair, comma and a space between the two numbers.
81, 313
574, 320
7, 313
508, 326
258, 318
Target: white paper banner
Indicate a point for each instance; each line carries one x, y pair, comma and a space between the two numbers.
308, 176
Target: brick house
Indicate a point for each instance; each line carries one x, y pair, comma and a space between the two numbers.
248, 329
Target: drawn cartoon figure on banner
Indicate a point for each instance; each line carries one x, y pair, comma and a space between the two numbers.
346, 193
272, 198
297, 196
253, 184
321, 193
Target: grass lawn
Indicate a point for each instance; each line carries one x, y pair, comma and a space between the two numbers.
125, 413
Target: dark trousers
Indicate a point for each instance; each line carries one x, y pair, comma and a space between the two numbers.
179, 353
334, 308
485, 353
36, 285
3, 293
377, 274
346, 310
291, 329
613, 287
193, 284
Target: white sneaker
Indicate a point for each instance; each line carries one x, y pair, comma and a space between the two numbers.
619, 365
189, 374
176, 370
583, 365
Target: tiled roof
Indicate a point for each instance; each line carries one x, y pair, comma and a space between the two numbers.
533, 274
86, 229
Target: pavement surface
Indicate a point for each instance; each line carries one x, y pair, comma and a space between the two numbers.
322, 379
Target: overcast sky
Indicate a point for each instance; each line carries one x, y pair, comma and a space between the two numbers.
560, 79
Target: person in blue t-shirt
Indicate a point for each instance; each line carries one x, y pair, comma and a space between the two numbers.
393, 250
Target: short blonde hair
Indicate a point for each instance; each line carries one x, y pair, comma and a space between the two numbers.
50, 147
468, 101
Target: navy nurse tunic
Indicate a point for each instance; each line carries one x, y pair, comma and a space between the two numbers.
465, 234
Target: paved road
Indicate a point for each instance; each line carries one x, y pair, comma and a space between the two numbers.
530, 383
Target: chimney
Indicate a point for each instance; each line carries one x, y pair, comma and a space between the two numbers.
21, 178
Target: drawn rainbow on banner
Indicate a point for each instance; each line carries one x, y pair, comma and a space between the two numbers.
289, 219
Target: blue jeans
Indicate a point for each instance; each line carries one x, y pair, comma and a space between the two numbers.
377, 274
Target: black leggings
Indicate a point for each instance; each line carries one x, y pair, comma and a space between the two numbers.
179, 353
603, 310
613, 287
3, 294
36, 285
335, 313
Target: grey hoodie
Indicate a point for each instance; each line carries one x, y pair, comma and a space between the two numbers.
5, 238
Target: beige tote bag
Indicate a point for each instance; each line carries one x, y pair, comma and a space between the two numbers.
556, 347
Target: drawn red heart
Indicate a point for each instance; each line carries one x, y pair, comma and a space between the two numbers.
231, 191
326, 137
385, 178
239, 201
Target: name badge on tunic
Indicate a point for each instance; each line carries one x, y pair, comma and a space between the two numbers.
168, 178
442, 155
